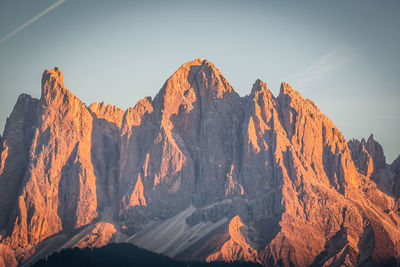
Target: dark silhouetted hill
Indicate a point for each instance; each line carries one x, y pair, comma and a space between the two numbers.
122, 254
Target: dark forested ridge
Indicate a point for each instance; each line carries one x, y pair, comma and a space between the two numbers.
122, 254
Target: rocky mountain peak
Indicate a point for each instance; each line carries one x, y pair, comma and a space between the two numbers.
376, 152
54, 91
133, 116
14, 152
210, 77
53, 77
370, 160
108, 112
25, 98
289, 97
54, 73
286, 89
396, 162
260, 86
198, 173
197, 61
368, 155
195, 83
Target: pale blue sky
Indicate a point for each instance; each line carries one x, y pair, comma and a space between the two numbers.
344, 55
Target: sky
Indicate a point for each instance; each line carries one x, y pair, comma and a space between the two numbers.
343, 55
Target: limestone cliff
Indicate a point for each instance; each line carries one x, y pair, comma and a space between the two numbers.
198, 172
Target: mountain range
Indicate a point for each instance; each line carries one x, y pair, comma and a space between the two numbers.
197, 173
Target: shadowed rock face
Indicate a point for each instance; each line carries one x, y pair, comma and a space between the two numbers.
16, 141
370, 160
198, 172
395, 168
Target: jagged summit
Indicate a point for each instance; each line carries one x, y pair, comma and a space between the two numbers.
52, 79
55, 73
196, 61
287, 90
260, 83
54, 92
108, 112
370, 160
196, 173
260, 86
24, 97
197, 79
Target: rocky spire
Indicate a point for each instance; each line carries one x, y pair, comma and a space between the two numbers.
52, 85
376, 152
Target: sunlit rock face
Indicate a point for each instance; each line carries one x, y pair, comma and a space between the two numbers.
196, 173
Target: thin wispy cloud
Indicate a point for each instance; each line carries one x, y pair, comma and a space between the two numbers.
32, 20
321, 67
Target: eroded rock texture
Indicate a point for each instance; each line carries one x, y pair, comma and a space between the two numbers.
198, 172
370, 160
